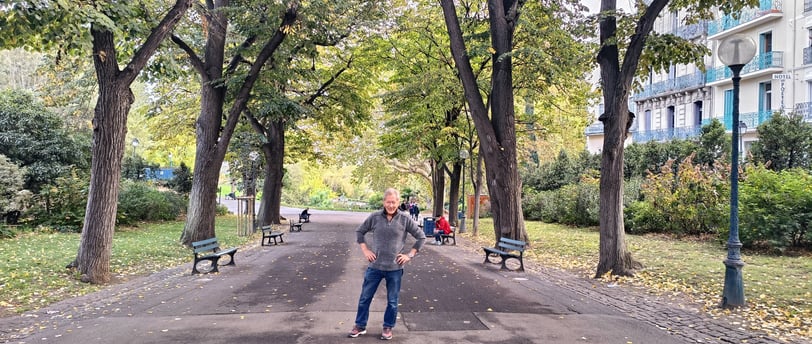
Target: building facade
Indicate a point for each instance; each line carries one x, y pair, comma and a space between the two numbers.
675, 104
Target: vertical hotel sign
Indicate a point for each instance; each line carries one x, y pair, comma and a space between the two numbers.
782, 77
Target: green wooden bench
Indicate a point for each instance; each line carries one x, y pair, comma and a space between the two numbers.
295, 226
209, 249
506, 249
270, 233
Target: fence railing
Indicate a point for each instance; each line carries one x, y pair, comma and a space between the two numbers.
772, 59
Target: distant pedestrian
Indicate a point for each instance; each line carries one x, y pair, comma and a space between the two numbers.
386, 260
414, 210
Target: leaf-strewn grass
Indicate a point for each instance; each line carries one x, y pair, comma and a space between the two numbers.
33, 273
778, 289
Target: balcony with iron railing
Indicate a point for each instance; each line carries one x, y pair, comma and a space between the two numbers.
763, 61
594, 129
684, 82
767, 9
667, 134
692, 31
804, 109
751, 119
808, 54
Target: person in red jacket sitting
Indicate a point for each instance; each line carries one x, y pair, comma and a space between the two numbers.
441, 227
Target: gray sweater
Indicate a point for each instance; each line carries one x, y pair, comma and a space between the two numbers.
389, 238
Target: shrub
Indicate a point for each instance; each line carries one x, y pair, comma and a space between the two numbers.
222, 210
575, 204
140, 202
11, 183
776, 208
62, 203
692, 201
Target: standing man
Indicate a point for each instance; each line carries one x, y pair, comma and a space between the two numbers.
386, 260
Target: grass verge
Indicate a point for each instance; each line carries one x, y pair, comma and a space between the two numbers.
33, 273
778, 289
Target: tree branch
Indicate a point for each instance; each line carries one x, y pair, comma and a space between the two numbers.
197, 64
145, 52
238, 56
327, 83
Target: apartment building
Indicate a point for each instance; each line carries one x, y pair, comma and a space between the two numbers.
675, 104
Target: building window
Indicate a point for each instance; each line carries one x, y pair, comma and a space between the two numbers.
766, 42
647, 120
810, 36
698, 113
669, 121
765, 98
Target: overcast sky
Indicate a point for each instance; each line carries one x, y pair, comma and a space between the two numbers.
595, 5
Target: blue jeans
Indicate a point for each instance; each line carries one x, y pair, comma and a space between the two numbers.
372, 278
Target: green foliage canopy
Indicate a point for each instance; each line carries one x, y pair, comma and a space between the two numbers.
36, 139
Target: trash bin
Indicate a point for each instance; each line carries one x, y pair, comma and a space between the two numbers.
428, 226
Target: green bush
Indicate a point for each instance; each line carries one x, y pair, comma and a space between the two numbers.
561, 171
62, 203
222, 210
575, 204
693, 201
140, 202
776, 208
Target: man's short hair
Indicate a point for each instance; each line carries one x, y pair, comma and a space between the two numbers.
391, 191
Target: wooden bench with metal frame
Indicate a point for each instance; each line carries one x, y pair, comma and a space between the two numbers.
506, 249
209, 249
270, 233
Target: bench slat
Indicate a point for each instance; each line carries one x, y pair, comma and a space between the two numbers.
204, 242
208, 247
514, 242
511, 247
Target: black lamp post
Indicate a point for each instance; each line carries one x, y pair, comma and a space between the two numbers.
463, 155
735, 52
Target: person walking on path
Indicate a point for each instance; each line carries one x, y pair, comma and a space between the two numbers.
386, 260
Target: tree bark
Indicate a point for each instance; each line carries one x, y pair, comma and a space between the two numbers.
109, 133
477, 192
496, 133
274, 151
616, 80
438, 185
203, 198
212, 140
454, 193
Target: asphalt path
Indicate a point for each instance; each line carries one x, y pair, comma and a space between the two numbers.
306, 290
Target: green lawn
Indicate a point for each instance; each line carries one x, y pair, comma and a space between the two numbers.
778, 289
33, 273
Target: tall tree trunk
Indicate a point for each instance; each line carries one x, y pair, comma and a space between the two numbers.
454, 194
203, 198
212, 140
109, 134
477, 192
438, 186
496, 132
274, 152
616, 79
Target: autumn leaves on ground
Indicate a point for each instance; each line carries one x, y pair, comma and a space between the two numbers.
778, 289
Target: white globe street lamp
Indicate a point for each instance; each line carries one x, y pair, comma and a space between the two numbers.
735, 52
